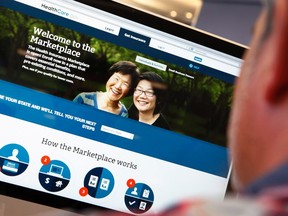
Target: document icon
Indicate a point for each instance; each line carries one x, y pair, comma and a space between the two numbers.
105, 184
146, 193
93, 181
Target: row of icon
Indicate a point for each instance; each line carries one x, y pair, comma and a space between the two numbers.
55, 175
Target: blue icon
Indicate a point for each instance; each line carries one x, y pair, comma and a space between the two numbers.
10, 166
56, 170
139, 199
198, 59
190, 65
14, 159
54, 176
99, 182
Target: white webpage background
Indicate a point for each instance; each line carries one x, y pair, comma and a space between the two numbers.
169, 182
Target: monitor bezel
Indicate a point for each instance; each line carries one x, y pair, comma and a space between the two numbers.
154, 21
170, 26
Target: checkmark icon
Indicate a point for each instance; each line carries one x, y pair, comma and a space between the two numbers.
131, 203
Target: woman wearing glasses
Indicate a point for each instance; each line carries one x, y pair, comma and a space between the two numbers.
149, 99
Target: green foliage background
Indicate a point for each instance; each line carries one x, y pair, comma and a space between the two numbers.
196, 107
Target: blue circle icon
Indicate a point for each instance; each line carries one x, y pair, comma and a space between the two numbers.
99, 182
139, 199
54, 176
14, 159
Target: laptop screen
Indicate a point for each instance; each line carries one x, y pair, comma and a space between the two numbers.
102, 105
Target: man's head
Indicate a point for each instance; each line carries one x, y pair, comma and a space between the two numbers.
258, 128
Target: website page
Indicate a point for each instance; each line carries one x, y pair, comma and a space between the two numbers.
58, 139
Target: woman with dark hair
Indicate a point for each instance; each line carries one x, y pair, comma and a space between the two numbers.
123, 79
149, 99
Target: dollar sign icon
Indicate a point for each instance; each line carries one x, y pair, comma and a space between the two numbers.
47, 180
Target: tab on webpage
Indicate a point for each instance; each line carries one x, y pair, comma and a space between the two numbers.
134, 37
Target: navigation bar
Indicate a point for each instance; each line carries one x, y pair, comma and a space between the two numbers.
158, 40
190, 55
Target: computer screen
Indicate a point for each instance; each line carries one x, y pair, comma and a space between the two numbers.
106, 106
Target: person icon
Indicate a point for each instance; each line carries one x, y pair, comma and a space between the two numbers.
134, 192
14, 155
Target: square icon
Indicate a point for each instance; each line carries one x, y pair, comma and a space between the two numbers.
142, 206
146, 193
93, 181
104, 184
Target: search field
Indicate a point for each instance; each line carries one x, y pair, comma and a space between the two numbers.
117, 132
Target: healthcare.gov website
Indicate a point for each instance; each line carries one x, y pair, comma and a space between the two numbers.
52, 51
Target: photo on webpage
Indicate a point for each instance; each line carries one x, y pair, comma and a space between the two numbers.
69, 62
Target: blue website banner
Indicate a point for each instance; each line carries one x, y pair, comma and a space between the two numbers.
64, 115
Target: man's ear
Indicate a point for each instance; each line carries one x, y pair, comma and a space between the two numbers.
277, 88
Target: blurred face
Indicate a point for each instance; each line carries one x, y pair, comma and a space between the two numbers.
118, 86
144, 98
249, 119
